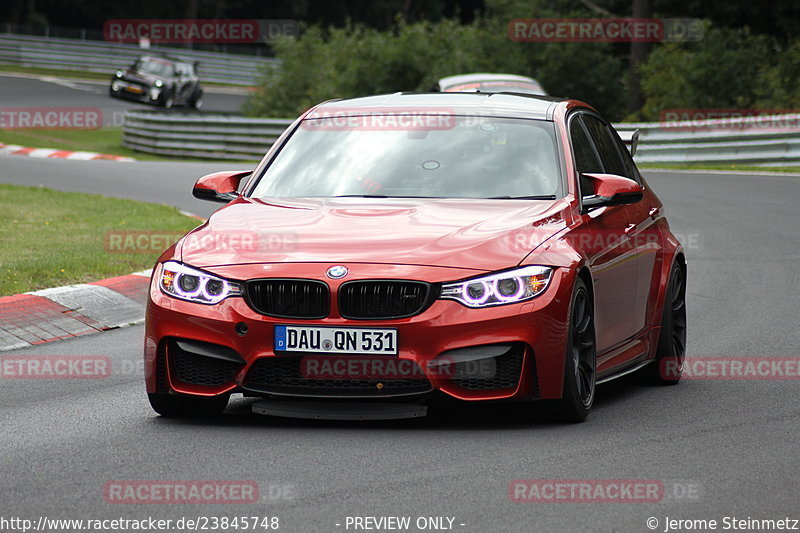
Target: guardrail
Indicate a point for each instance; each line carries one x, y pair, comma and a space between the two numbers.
200, 135
104, 57
236, 137
741, 140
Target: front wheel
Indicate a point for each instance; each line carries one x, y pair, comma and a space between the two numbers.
581, 360
171, 405
197, 99
169, 100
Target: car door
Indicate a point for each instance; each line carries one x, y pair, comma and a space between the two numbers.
645, 237
182, 83
605, 241
193, 81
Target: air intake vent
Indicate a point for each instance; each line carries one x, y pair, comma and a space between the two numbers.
283, 375
507, 372
199, 369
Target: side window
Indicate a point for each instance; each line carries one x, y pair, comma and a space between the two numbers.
586, 158
627, 160
606, 145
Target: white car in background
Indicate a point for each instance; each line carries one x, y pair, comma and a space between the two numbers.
490, 83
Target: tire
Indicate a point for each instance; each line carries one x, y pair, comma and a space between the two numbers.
197, 99
580, 366
169, 100
174, 406
671, 349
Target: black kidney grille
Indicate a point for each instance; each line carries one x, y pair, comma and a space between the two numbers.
507, 372
197, 369
282, 375
383, 299
289, 298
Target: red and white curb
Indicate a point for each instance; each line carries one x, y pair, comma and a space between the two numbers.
52, 314
53, 153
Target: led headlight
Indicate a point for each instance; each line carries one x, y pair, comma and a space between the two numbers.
186, 283
118, 73
159, 83
501, 288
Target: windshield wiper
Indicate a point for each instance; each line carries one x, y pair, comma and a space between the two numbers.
539, 197
361, 196
379, 196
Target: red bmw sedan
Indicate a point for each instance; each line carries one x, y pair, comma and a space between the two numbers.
391, 249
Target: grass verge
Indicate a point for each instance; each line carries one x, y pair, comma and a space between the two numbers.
717, 166
53, 238
74, 74
103, 140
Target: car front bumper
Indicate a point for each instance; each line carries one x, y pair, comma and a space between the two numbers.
130, 91
196, 349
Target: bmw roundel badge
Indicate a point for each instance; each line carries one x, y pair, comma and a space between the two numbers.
337, 272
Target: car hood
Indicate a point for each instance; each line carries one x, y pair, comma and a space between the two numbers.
464, 233
140, 77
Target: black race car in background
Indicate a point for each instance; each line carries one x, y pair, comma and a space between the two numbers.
160, 81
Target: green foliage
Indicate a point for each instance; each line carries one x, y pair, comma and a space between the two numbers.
727, 69
780, 87
357, 61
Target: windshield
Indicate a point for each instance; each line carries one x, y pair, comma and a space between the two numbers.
156, 68
468, 157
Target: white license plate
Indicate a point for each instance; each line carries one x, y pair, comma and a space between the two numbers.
311, 339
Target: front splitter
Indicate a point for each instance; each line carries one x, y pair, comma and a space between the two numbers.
318, 410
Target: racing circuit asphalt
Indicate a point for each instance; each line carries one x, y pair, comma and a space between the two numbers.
733, 444
27, 90
63, 440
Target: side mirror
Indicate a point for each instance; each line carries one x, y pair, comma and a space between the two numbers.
219, 186
610, 189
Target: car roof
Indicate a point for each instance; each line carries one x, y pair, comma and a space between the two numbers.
505, 104
158, 59
482, 76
